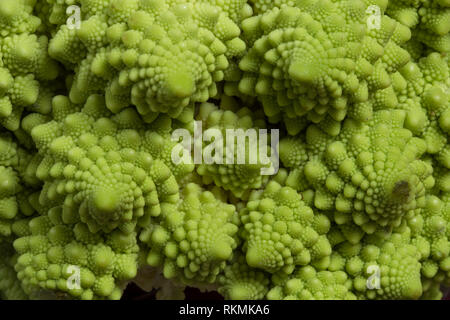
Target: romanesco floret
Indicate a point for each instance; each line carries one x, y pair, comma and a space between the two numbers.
24, 61
429, 19
370, 174
194, 238
234, 169
239, 281
14, 185
423, 91
55, 250
160, 56
99, 166
310, 284
380, 266
430, 229
10, 286
319, 60
280, 232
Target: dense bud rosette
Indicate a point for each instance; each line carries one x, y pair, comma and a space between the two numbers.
423, 90
9, 184
67, 260
54, 11
240, 167
369, 174
161, 56
281, 232
10, 286
14, 185
241, 282
430, 20
107, 171
430, 230
380, 266
194, 237
24, 61
309, 284
318, 61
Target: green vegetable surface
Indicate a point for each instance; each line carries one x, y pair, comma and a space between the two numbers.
353, 97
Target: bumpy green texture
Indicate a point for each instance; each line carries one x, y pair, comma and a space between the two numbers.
160, 56
15, 186
54, 11
370, 174
380, 266
309, 284
9, 184
70, 261
10, 286
319, 62
442, 178
423, 89
281, 232
106, 177
106, 170
261, 6
429, 19
24, 61
240, 161
241, 282
430, 229
193, 238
